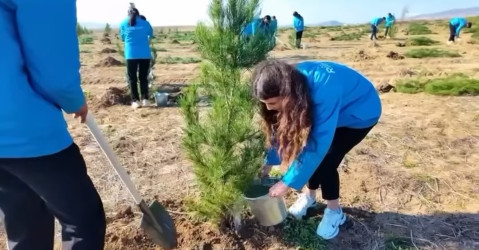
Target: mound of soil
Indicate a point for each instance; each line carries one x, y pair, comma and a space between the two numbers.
115, 96
385, 87
175, 42
362, 56
108, 51
105, 40
109, 62
399, 44
394, 55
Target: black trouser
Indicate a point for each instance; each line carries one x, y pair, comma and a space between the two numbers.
452, 30
374, 31
327, 174
35, 190
138, 69
299, 36
386, 32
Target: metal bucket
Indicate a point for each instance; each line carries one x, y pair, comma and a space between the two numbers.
161, 99
268, 211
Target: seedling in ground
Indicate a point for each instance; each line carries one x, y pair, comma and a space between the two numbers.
347, 37
421, 41
418, 29
454, 85
426, 52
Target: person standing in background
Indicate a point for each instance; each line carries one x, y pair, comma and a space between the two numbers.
374, 27
43, 175
136, 33
390, 20
298, 23
455, 26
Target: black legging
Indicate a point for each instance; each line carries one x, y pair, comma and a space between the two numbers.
327, 174
142, 68
299, 35
452, 30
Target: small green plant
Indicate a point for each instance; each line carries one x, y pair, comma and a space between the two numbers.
454, 85
82, 30
421, 41
86, 40
347, 37
178, 60
427, 52
107, 29
396, 243
120, 50
302, 234
418, 29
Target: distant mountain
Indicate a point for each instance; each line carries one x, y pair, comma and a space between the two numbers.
448, 14
331, 23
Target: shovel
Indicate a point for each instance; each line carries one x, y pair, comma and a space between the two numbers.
156, 222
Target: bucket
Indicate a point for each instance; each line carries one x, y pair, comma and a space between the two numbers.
269, 211
161, 99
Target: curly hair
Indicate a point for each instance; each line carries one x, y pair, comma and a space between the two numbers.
289, 127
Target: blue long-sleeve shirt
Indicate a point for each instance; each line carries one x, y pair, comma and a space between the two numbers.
39, 76
377, 21
298, 23
458, 23
342, 97
136, 39
390, 19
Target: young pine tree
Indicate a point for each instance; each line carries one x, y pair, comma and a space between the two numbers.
107, 29
222, 141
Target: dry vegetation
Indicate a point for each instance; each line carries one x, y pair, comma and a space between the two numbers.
412, 184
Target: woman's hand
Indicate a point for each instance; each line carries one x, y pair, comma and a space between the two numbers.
278, 190
265, 170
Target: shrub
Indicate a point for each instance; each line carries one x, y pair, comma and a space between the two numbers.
418, 29
225, 147
86, 40
423, 53
178, 60
421, 41
347, 37
454, 85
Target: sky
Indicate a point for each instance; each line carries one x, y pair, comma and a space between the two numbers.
189, 12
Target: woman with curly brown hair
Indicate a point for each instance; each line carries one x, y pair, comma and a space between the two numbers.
313, 115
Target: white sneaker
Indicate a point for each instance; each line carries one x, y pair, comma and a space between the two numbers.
329, 226
145, 103
135, 104
301, 205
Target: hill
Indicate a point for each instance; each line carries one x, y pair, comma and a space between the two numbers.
448, 14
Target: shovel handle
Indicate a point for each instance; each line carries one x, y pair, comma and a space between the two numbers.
112, 158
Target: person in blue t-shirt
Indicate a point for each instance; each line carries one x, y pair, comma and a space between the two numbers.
136, 33
313, 114
43, 175
298, 23
390, 20
374, 27
455, 26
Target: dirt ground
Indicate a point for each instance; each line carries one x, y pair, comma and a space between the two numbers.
412, 184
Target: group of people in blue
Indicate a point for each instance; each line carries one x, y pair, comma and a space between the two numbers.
314, 113
390, 19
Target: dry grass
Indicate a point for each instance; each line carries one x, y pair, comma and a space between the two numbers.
414, 181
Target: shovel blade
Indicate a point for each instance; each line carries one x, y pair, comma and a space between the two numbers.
158, 225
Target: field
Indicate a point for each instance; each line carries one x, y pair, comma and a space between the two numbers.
412, 184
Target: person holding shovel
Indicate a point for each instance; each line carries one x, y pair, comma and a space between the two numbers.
136, 33
313, 114
374, 27
298, 23
455, 26
43, 175
390, 20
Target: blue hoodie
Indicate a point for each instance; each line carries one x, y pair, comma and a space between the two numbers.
377, 21
274, 26
136, 39
390, 19
39, 76
342, 97
458, 23
298, 23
